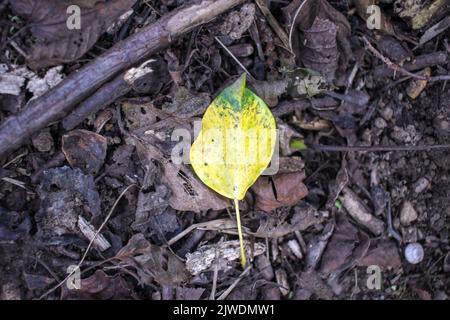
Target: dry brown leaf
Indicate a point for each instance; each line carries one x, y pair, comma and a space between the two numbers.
100, 286
187, 293
312, 282
151, 262
321, 36
85, 150
346, 246
304, 217
384, 254
282, 190
187, 192
55, 42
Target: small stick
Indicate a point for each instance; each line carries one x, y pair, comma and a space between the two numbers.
234, 58
400, 69
273, 23
391, 231
389, 63
327, 148
224, 295
291, 30
216, 274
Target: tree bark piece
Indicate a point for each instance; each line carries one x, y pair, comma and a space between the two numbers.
56, 103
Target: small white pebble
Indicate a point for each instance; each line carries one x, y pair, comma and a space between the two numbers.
421, 185
414, 253
380, 123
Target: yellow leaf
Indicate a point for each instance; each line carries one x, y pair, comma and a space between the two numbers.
235, 144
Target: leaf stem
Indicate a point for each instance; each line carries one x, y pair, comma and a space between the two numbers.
241, 238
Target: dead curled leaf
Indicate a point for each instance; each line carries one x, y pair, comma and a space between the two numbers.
384, 254
346, 245
321, 36
55, 42
85, 150
100, 286
312, 282
282, 190
64, 195
304, 217
152, 263
187, 192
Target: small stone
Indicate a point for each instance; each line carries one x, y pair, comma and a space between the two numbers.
407, 214
444, 125
387, 113
43, 141
421, 185
380, 123
414, 253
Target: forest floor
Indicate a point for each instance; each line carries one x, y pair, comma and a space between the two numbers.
358, 209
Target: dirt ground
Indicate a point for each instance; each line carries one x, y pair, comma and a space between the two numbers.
359, 207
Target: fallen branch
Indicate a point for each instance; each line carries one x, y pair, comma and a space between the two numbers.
419, 63
56, 103
107, 94
397, 68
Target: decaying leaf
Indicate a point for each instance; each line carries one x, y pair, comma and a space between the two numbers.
312, 282
416, 87
85, 150
286, 135
346, 246
65, 194
187, 293
55, 42
321, 36
305, 216
359, 211
235, 144
13, 80
238, 21
282, 190
306, 83
419, 12
384, 254
151, 262
223, 255
187, 192
100, 286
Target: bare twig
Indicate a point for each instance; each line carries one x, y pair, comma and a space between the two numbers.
291, 29
328, 148
273, 23
389, 63
235, 59
398, 68
225, 294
